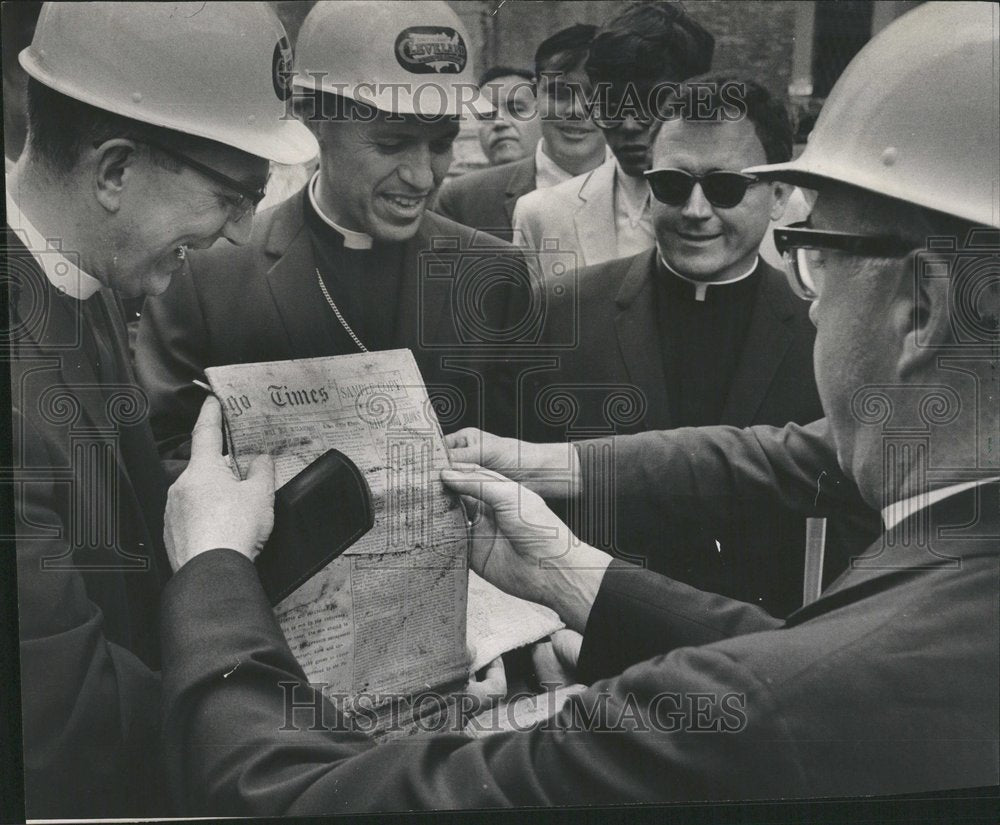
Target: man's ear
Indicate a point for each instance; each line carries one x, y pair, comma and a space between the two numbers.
114, 167
920, 318
780, 192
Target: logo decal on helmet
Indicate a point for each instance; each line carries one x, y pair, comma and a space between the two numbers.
431, 50
281, 69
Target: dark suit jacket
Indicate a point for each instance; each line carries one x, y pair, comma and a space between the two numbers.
605, 326
89, 499
885, 685
485, 198
261, 302
612, 379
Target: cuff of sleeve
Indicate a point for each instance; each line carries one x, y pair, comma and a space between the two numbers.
602, 636
217, 583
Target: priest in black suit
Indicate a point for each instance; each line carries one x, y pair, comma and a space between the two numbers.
698, 331
353, 262
102, 206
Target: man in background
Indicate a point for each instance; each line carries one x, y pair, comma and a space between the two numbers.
570, 143
605, 213
511, 131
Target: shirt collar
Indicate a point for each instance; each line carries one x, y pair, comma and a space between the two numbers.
701, 287
63, 274
548, 172
633, 194
902, 510
352, 239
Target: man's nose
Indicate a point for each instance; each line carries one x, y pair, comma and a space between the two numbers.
697, 205
416, 170
633, 125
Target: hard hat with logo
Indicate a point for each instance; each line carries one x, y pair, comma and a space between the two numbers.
401, 57
915, 115
219, 71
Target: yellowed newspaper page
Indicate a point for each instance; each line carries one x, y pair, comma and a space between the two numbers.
389, 616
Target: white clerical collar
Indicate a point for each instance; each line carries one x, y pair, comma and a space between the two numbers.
352, 239
633, 194
701, 287
902, 510
62, 273
548, 172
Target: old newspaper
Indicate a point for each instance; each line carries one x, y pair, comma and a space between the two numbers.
389, 617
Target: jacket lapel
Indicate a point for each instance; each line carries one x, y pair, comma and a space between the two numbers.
521, 181
768, 338
417, 306
293, 284
636, 326
595, 218
59, 343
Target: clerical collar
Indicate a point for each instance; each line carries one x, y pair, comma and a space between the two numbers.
633, 195
901, 510
548, 172
62, 273
701, 287
352, 239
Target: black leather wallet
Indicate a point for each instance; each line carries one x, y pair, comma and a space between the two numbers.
317, 516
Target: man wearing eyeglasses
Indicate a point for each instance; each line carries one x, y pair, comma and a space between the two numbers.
705, 331
129, 163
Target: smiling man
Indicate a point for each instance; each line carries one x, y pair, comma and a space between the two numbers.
344, 265
605, 214
128, 164
705, 330
570, 142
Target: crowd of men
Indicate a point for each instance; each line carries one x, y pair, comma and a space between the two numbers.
712, 411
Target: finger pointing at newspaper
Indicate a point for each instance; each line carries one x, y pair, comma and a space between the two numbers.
208, 507
522, 547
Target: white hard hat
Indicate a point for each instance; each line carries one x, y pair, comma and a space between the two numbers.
400, 57
219, 71
916, 115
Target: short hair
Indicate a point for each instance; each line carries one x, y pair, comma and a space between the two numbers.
767, 113
650, 41
60, 128
494, 72
565, 50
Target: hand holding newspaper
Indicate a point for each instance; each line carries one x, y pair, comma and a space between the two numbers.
388, 618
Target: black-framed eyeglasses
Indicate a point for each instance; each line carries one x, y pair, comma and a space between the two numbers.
247, 196
722, 188
801, 248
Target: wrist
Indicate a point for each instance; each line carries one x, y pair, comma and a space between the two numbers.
571, 584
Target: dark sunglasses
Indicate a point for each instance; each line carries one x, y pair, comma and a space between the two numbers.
248, 197
721, 188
